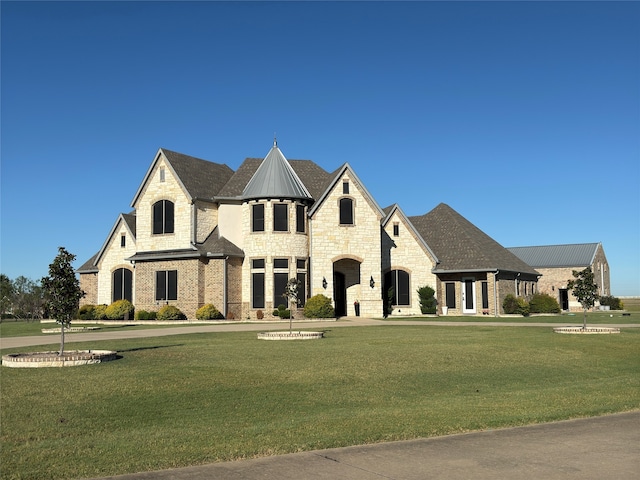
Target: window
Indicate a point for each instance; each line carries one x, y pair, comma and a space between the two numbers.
257, 217
280, 217
280, 279
345, 187
123, 240
301, 276
300, 219
450, 293
346, 211
396, 230
163, 217
166, 285
122, 285
281, 263
485, 295
398, 280
257, 283
162, 174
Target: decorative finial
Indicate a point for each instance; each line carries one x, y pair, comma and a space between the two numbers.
275, 142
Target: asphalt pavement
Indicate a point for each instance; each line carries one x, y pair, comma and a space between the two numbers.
596, 448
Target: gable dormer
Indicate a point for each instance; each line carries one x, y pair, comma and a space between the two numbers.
175, 202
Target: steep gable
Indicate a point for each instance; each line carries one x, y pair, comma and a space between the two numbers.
461, 246
198, 178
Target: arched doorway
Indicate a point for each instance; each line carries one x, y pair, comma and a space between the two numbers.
346, 285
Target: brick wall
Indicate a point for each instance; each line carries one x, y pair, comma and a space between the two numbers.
89, 285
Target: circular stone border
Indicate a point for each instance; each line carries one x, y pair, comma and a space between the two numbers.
299, 335
587, 331
70, 358
70, 329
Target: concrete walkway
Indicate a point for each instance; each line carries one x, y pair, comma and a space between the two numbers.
587, 449
54, 339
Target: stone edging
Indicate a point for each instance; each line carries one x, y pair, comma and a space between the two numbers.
52, 359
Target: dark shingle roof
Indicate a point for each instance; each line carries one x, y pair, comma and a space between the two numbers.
130, 220
89, 265
461, 246
201, 178
575, 255
217, 246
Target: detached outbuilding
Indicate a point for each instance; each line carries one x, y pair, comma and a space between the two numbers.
556, 264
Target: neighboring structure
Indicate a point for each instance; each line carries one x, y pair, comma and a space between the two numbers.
201, 233
556, 264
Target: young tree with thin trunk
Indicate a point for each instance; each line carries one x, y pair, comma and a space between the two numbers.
62, 291
585, 290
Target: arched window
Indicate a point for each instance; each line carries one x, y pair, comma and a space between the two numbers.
398, 280
346, 211
122, 285
163, 217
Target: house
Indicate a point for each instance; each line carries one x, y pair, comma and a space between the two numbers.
202, 233
556, 264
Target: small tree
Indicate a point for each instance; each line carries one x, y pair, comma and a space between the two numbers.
585, 290
62, 291
291, 294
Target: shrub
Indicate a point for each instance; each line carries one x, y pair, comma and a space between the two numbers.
100, 312
120, 310
428, 302
86, 312
544, 303
208, 312
613, 303
145, 315
319, 306
169, 312
513, 305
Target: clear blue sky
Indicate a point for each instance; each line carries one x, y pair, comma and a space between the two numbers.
522, 116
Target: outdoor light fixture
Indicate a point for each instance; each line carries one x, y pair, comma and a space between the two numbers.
371, 282
324, 283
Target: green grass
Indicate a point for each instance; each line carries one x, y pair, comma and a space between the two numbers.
192, 399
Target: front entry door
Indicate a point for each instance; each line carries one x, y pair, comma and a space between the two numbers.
564, 299
339, 294
468, 295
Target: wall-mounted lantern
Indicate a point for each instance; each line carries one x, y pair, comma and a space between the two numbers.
371, 282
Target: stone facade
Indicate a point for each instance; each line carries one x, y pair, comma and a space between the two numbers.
347, 249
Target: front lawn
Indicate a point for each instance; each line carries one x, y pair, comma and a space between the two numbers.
198, 398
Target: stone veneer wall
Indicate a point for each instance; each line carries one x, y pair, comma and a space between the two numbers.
404, 252
206, 219
361, 241
154, 191
113, 258
269, 245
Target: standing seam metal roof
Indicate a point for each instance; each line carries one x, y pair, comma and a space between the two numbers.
573, 255
275, 178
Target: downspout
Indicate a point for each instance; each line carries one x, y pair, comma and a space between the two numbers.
194, 223
495, 293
